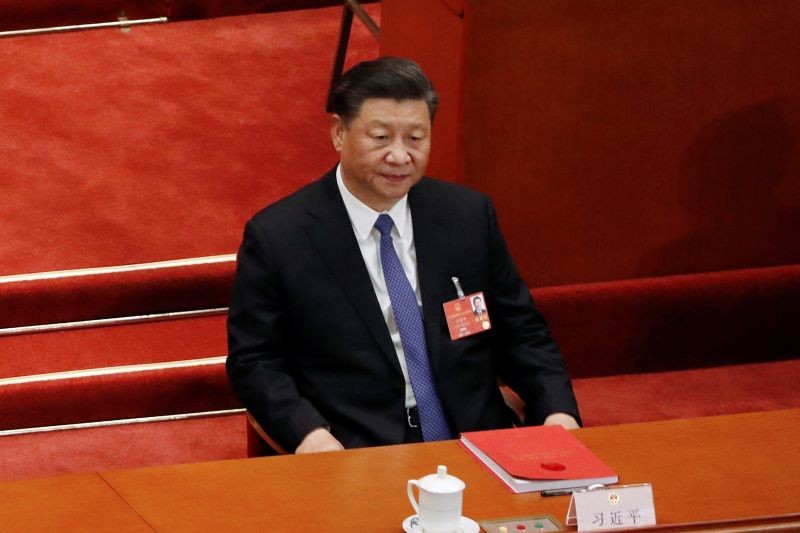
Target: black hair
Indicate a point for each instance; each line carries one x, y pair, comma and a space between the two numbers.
386, 77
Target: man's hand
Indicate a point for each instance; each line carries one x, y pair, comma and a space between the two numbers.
562, 419
319, 440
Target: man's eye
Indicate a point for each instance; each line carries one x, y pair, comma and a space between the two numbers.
380, 137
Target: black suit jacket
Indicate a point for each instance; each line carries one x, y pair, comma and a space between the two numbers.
308, 345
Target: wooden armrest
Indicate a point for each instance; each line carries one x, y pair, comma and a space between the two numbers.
269, 441
513, 401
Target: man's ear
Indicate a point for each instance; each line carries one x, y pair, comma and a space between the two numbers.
338, 130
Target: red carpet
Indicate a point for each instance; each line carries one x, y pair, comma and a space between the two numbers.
128, 446
123, 148
99, 293
130, 344
688, 393
159, 143
28, 14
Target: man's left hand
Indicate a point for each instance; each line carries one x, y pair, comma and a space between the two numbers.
562, 419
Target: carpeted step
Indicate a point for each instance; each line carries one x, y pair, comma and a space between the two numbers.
27, 14
114, 345
689, 393
102, 394
120, 291
122, 445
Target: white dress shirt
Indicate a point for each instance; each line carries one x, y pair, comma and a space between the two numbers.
363, 218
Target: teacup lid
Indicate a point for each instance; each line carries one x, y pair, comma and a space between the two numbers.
441, 482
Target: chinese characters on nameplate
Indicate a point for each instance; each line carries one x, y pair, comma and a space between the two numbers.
604, 508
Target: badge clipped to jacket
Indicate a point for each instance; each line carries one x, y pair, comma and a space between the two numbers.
467, 314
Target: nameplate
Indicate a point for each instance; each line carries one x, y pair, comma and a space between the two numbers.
606, 508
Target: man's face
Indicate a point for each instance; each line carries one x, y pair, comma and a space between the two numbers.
384, 150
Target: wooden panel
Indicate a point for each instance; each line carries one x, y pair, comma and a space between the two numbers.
628, 138
430, 32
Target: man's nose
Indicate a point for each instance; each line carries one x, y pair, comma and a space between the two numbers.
398, 154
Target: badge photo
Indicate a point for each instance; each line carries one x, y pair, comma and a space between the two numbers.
467, 315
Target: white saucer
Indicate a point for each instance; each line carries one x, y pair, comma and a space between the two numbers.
466, 525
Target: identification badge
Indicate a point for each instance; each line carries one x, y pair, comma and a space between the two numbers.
467, 316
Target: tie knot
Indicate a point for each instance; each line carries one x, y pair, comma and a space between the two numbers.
384, 225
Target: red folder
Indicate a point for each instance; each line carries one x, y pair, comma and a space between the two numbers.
538, 458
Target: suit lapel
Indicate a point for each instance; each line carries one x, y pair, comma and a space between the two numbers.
430, 242
332, 234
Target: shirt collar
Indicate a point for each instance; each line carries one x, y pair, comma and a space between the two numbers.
363, 217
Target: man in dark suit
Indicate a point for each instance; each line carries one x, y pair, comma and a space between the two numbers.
338, 333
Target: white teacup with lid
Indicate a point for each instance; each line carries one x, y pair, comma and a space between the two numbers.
440, 498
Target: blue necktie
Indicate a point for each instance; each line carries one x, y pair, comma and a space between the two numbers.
408, 316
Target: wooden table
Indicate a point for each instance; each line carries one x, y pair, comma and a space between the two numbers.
82, 502
719, 472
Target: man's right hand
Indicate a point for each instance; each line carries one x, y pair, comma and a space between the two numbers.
319, 440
